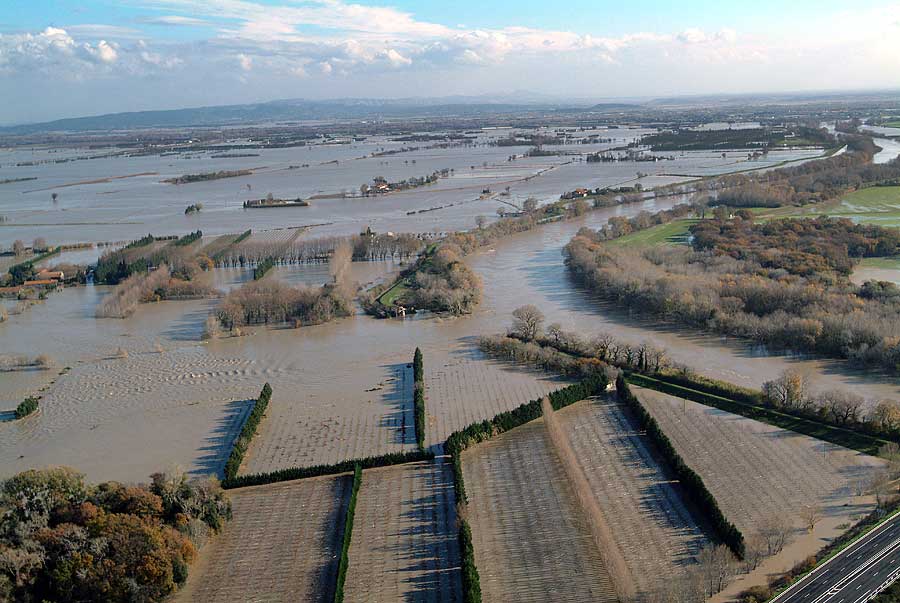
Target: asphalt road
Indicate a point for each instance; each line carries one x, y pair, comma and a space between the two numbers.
857, 574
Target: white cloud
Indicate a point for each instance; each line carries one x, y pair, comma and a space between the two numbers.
245, 62
176, 20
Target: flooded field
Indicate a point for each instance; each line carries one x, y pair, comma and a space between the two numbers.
123, 198
144, 392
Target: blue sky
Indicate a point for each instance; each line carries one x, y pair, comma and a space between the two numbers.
104, 56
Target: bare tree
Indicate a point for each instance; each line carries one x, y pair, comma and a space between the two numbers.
480, 221
39, 244
811, 514
555, 332
716, 564
775, 530
527, 322
529, 205
18, 247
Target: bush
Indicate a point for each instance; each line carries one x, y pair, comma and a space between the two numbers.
692, 483
344, 562
247, 432
283, 475
419, 398
263, 268
26, 407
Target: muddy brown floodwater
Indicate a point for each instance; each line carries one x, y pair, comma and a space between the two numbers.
339, 388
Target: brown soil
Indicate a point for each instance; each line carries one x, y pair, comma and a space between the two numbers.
531, 541
404, 545
283, 544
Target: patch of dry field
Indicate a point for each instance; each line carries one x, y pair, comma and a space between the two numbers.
463, 387
650, 524
283, 544
404, 545
531, 542
757, 471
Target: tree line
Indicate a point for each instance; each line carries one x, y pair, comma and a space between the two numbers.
419, 397
344, 560
821, 313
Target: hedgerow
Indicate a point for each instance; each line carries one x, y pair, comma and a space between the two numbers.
344, 562
26, 407
419, 398
247, 432
263, 268
292, 473
692, 483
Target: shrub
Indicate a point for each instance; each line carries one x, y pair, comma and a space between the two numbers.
247, 432
348, 534
692, 483
26, 407
263, 268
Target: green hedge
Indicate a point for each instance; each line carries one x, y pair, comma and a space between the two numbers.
419, 398
247, 432
836, 435
283, 475
263, 268
26, 407
471, 581
344, 563
692, 483
189, 238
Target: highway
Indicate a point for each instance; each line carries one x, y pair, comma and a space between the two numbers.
857, 574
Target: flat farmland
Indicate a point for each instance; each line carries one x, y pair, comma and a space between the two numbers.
655, 532
531, 541
758, 472
405, 545
371, 414
463, 387
283, 544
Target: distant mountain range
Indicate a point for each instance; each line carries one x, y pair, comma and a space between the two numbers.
294, 110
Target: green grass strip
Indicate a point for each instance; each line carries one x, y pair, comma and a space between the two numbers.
247, 432
829, 433
292, 473
344, 563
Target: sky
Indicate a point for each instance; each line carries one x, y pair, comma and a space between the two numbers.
65, 58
